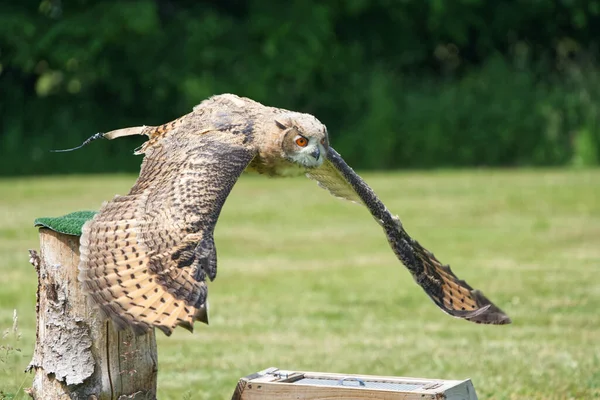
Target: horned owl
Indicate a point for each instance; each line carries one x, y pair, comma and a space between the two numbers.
145, 256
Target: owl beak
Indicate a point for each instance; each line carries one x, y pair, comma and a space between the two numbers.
316, 153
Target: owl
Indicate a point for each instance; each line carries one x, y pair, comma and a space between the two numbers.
146, 257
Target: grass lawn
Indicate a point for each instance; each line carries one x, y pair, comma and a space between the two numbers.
307, 281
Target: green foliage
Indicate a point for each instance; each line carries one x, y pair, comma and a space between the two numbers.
427, 83
10, 355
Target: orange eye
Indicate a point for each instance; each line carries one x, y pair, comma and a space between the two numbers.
301, 141
323, 141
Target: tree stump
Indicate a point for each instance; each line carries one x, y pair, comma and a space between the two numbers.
79, 354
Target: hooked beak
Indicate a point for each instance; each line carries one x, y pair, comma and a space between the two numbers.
316, 153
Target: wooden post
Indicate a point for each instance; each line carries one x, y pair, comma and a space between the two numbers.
79, 354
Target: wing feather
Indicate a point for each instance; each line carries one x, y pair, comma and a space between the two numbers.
331, 179
453, 295
145, 256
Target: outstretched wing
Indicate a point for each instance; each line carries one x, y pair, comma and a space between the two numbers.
452, 295
145, 256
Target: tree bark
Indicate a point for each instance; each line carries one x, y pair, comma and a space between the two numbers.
78, 353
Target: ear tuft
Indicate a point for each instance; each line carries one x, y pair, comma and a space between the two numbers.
280, 125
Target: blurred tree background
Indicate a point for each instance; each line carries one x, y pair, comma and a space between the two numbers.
428, 83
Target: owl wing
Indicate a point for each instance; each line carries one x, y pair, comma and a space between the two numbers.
145, 256
452, 295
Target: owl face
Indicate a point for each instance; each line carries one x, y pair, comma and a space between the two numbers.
305, 140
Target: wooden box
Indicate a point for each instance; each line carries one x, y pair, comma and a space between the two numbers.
277, 384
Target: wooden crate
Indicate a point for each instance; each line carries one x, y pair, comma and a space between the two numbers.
277, 384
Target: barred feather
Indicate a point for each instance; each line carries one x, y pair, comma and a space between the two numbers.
453, 295
115, 271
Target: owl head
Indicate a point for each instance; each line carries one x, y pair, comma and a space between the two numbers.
305, 141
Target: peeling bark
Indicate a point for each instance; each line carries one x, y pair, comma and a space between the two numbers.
78, 354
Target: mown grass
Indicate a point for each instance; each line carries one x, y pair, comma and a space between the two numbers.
308, 282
